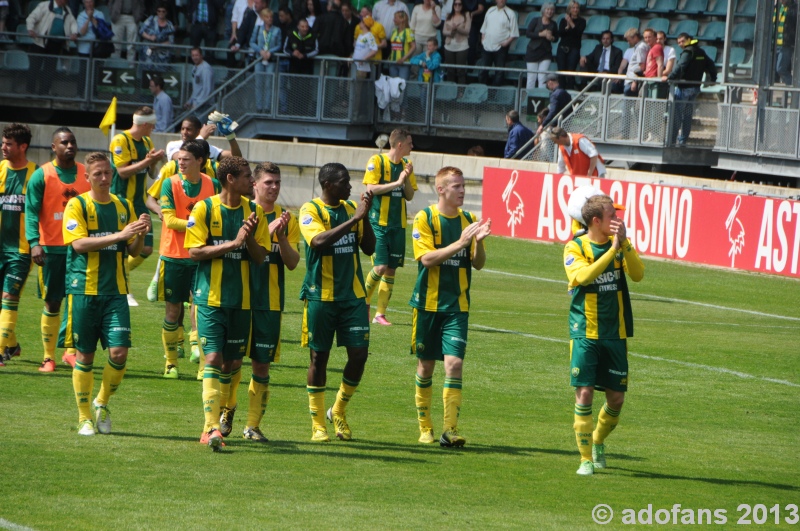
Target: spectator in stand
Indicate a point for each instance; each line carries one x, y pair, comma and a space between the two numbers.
203, 16
424, 22
87, 22
162, 104
331, 31
785, 21
498, 32
654, 66
159, 30
691, 66
265, 42
238, 9
604, 59
570, 29
4, 11
377, 31
477, 12
384, 11
456, 43
352, 22
669, 53
202, 84
245, 30
518, 134
301, 47
429, 63
403, 46
542, 32
53, 19
559, 99
125, 17
358, 4
285, 23
636, 63
311, 12
364, 49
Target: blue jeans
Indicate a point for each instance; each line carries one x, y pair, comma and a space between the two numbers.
684, 110
783, 64
396, 70
264, 79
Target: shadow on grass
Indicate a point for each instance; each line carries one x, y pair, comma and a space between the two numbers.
140, 435
713, 481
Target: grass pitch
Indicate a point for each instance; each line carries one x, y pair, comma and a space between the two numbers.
714, 367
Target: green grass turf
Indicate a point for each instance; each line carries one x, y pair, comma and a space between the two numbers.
689, 433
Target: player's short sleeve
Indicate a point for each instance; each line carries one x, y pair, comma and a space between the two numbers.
422, 236
574, 261
196, 229
74, 226
311, 223
372, 175
294, 230
167, 170
119, 151
261, 234
215, 152
166, 197
412, 178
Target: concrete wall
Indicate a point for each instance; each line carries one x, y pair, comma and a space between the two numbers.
299, 163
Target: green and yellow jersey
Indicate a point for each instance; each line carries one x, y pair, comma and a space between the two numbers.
442, 288
99, 272
267, 281
389, 209
601, 305
171, 168
333, 273
126, 150
223, 282
13, 188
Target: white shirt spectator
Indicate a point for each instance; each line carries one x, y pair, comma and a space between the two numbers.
239, 9
586, 146
162, 106
636, 62
384, 11
499, 25
363, 46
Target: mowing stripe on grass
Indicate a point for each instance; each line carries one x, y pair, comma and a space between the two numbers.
11, 526
645, 356
656, 297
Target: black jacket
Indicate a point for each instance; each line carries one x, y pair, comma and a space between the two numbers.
593, 59
307, 46
691, 65
245, 29
331, 31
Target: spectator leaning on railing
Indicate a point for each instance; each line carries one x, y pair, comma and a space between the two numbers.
377, 30
669, 53
51, 18
246, 29
384, 11
425, 19
637, 61
266, 42
157, 29
403, 46
87, 22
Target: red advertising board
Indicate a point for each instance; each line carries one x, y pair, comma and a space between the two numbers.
737, 231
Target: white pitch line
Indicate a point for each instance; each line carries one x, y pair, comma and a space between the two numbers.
735, 325
656, 297
11, 526
722, 370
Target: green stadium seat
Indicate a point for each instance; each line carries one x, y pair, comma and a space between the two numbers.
524, 19
633, 5
503, 96
519, 46
713, 32
684, 26
622, 45
475, 94
588, 45
514, 76
597, 24
743, 32
720, 9
22, 36
737, 56
16, 60
445, 91
219, 55
625, 23
711, 52
604, 5
747, 8
693, 7
664, 6
658, 24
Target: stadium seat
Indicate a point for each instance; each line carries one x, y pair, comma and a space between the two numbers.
743, 32
445, 91
587, 46
220, 75
516, 2
537, 3
514, 76
565, 3
747, 8
597, 24
633, 5
524, 19
720, 9
503, 96
693, 7
658, 24
559, 18
519, 46
684, 26
16, 60
711, 52
221, 56
475, 94
664, 6
624, 23
604, 5
737, 56
713, 32
22, 35
622, 45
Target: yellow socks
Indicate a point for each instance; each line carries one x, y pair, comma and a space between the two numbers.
316, 406
607, 420
82, 384
224, 388
8, 322
134, 262
385, 293
423, 398
211, 398
452, 402
236, 379
583, 430
112, 377
370, 283
169, 338
346, 391
258, 394
49, 327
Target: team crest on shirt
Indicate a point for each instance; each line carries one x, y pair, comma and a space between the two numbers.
415, 233
576, 371
169, 292
198, 292
575, 326
570, 260
123, 218
420, 347
307, 219
75, 337
312, 288
370, 167
74, 281
203, 341
190, 222
72, 224
118, 150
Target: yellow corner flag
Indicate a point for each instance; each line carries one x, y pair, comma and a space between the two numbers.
110, 117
